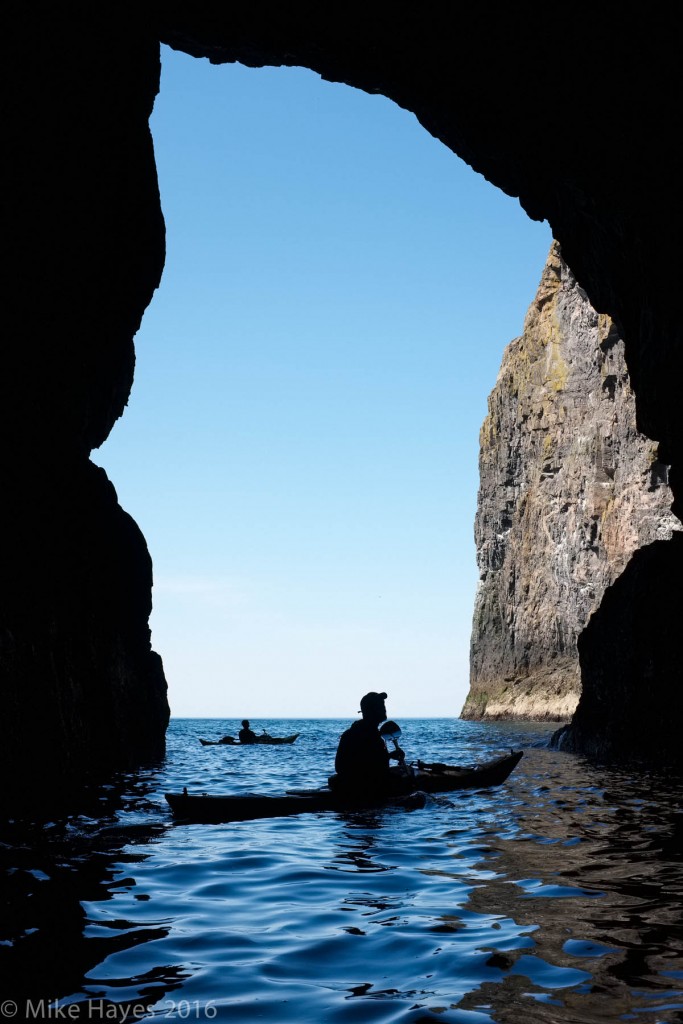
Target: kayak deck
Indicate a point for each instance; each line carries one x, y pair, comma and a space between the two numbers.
211, 809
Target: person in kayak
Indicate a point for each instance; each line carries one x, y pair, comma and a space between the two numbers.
362, 759
246, 735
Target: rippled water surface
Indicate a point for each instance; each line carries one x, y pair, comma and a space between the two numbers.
556, 897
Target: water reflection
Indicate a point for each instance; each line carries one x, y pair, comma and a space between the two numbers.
48, 944
358, 852
600, 856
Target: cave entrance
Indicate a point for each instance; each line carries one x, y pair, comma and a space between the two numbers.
300, 446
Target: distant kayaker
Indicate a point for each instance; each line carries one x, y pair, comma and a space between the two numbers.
245, 734
362, 760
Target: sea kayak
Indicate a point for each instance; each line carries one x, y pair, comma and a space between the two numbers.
207, 808
264, 740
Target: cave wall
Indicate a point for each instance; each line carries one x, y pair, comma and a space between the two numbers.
573, 112
568, 490
633, 708
82, 693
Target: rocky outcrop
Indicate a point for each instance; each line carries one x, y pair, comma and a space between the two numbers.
569, 489
82, 694
82, 688
627, 640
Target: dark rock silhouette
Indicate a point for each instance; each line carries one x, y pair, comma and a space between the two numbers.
575, 115
46, 874
637, 617
82, 692
81, 687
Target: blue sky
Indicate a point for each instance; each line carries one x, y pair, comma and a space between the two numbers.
300, 446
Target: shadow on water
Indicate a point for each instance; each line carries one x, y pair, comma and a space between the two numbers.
554, 898
48, 945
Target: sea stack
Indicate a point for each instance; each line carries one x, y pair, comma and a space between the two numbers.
569, 490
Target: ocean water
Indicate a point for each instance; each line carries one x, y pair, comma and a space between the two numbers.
556, 897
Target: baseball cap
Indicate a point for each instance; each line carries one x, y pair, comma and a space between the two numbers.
372, 698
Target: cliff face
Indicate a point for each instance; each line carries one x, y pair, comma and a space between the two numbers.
569, 489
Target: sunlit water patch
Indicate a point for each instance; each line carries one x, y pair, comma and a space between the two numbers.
555, 897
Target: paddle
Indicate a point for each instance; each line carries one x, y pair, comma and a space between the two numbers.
392, 731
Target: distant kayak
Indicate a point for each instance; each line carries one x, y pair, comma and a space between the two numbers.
434, 778
264, 740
